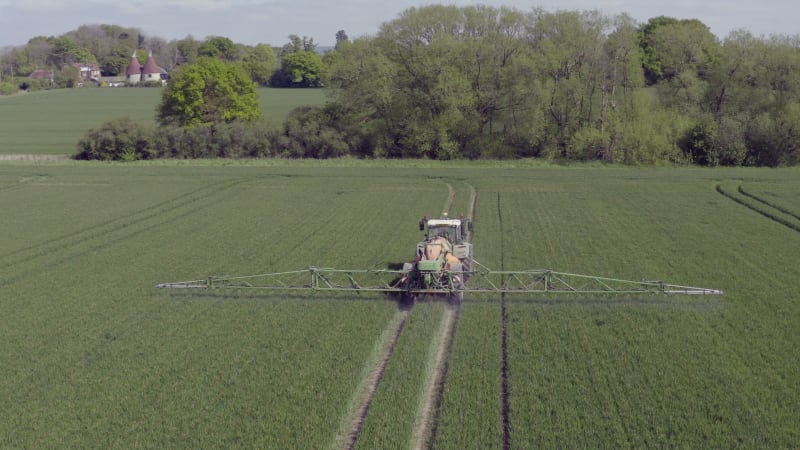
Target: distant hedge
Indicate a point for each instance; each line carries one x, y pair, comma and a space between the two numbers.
309, 132
126, 140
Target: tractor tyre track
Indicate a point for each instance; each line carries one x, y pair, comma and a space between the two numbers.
374, 380
764, 212
46, 248
84, 245
506, 409
427, 422
428, 419
768, 203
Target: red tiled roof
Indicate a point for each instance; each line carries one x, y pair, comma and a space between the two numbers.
150, 66
41, 74
134, 68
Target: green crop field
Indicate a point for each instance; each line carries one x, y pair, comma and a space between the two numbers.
92, 354
52, 122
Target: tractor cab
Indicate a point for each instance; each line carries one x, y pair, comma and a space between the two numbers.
454, 230
449, 235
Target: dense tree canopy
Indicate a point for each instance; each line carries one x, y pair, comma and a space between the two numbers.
477, 81
208, 91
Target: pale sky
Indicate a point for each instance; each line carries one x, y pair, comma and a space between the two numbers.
272, 21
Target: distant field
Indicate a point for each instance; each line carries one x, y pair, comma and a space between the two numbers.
93, 355
52, 122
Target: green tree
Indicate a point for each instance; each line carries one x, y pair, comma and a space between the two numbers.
66, 51
296, 44
260, 61
219, 47
187, 49
300, 69
650, 61
68, 77
341, 39
206, 92
116, 61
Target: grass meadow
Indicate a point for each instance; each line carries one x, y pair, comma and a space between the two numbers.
93, 355
52, 122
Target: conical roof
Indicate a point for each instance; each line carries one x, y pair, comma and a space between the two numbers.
150, 66
134, 68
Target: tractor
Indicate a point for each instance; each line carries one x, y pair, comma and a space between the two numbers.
443, 261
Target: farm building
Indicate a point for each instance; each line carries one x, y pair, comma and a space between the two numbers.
150, 71
42, 74
88, 71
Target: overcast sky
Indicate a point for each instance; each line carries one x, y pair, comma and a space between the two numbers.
271, 21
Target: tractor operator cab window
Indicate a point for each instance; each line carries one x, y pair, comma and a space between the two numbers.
447, 232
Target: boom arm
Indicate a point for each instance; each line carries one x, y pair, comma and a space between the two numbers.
541, 281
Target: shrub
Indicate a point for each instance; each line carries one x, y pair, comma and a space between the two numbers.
312, 132
236, 139
116, 140
8, 88
589, 143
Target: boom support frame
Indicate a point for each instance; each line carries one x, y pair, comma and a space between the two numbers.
483, 280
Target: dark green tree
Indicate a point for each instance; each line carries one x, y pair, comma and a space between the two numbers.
116, 62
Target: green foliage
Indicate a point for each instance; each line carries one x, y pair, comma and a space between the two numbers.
260, 63
774, 141
219, 47
302, 68
116, 62
126, 140
67, 77
700, 144
449, 82
7, 88
311, 132
235, 139
588, 144
297, 44
116, 140
206, 92
66, 51
187, 49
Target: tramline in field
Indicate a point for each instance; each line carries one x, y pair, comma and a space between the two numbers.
443, 266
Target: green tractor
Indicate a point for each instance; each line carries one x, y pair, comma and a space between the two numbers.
443, 261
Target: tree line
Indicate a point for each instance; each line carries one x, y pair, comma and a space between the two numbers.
111, 47
474, 82
446, 82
